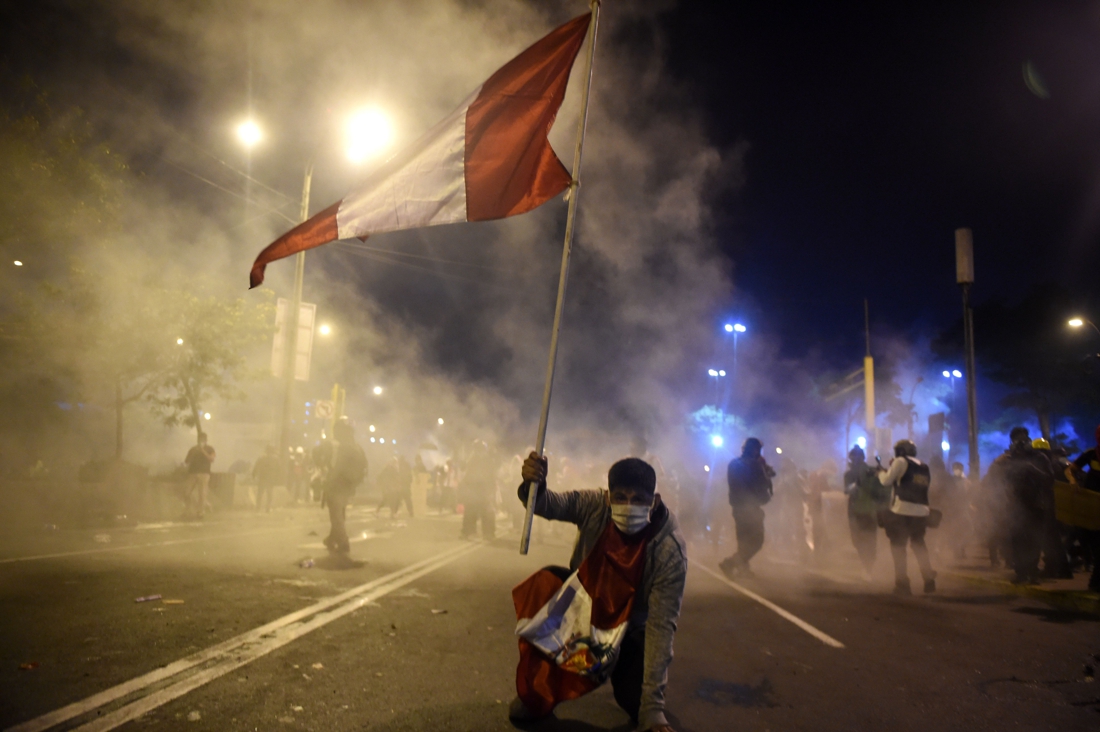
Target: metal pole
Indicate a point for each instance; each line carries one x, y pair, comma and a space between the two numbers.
574, 194
291, 340
971, 388
869, 382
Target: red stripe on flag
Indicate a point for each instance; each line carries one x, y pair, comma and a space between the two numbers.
313, 232
510, 166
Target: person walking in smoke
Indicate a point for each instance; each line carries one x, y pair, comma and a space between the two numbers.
865, 500
750, 488
1024, 478
348, 468
266, 474
198, 461
907, 518
477, 492
630, 564
1090, 459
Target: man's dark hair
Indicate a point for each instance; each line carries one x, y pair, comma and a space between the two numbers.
752, 447
1019, 434
632, 473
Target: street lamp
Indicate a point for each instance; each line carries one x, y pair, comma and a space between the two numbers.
712, 372
369, 132
17, 263
377, 391
738, 328
325, 329
729, 327
1072, 323
440, 420
717, 440
249, 133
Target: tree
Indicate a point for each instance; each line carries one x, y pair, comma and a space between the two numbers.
1028, 348
210, 360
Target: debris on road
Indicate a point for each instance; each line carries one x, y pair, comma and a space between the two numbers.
297, 708
306, 563
438, 612
147, 598
31, 666
102, 538
194, 716
50, 527
172, 602
318, 666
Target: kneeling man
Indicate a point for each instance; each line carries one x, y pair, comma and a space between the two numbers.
613, 612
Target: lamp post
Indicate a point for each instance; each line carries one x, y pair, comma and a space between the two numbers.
964, 275
1078, 322
368, 133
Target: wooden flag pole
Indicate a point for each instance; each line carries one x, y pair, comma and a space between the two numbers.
573, 195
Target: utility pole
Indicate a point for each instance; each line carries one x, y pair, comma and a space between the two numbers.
964, 275
869, 381
291, 340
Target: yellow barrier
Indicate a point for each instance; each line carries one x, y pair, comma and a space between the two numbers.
1075, 506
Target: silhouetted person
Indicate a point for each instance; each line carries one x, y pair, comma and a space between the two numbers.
1088, 462
198, 461
1023, 477
346, 471
266, 474
907, 519
477, 493
865, 500
750, 488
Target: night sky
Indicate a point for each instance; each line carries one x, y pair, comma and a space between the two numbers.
875, 130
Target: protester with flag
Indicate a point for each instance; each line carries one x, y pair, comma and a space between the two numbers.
612, 614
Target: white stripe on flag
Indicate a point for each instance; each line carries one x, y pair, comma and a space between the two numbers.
428, 188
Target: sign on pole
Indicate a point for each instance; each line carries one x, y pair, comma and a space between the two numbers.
325, 409
307, 315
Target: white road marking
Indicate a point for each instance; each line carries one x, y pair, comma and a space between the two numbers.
235, 652
823, 637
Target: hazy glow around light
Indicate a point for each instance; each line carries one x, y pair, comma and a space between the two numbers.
721, 373
729, 328
179, 341
779, 451
957, 374
706, 468
717, 440
945, 445
249, 133
377, 391
382, 440
712, 372
206, 416
1073, 323
739, 328
17, 263
862, 442
372, 439
947, 374
369, 132
371, 428
440, 420
325, 329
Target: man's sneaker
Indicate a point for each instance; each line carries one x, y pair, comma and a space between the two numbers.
929, 586
518, 711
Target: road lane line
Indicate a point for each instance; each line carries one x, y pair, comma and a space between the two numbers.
249, 645
823, 637
173, 542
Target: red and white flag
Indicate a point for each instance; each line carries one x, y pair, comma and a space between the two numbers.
488, 159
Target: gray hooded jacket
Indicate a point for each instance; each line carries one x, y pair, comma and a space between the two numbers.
656, 607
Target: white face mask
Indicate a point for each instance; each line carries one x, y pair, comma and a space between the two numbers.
630, 519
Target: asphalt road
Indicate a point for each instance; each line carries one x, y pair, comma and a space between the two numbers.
415, 633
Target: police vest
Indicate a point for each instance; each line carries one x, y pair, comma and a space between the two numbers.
913, 486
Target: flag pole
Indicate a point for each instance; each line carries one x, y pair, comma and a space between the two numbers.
572, 195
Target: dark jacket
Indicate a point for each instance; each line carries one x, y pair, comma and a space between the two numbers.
750, 481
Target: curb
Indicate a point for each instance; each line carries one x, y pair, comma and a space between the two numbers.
1075, 600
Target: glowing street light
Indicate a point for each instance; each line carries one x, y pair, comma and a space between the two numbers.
739, 328
862, 442
721, 372
371, 428
325, 329
377, 391
706, 468
717, 440
249, 133
369, 132
1073, 322
206, 416
712, 372
779, 451
945, 446
729, 327
957, 374
179, 341
17, 263
440, 420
